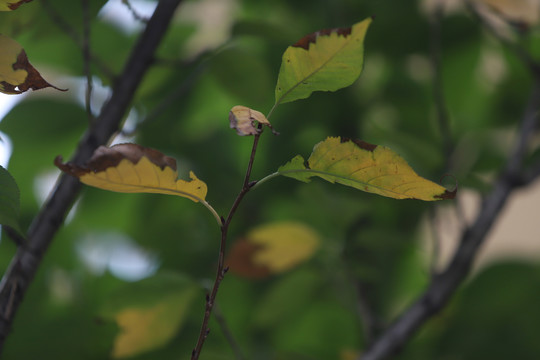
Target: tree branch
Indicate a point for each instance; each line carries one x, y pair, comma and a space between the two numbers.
445, 284
25, 263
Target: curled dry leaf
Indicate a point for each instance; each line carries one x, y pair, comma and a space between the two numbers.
131, 168
364, 166
8, 5
243, 119
272, 248
17, 75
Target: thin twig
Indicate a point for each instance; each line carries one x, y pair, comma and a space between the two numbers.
134, 13
26, 261
67, 29
86, 58
221, 270
438, 92
227, 332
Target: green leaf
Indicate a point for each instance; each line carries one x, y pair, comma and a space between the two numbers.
366, 167
327, 60
9, 201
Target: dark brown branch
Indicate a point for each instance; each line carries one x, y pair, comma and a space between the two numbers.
26, 261
221, 270
445, 284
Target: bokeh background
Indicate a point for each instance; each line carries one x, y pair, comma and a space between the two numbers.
120, 252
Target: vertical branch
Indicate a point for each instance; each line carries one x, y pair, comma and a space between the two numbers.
221, 270
437, 84
26, 261
86, 57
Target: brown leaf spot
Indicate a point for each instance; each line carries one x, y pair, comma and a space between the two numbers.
240, 260
33, 80
447, 195
360, 143
15, 5
312, 38
106, 157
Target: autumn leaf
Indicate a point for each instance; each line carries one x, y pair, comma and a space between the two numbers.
243, 119
17, 75
367, 167
131, 168
272, 248
9, 201
8, 5
149, 313
327, 60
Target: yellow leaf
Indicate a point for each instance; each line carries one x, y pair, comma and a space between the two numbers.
273, 248
8, 5
17, 75
243, 120
367, 167
131, 168
149, 313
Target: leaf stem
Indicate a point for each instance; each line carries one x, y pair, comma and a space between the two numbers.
265, 179
221, 269
213, 211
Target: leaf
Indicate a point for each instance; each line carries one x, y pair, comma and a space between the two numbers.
243, 119
327, 60
149, 312
131, 168
272, 248
9, 201
17, 75
364, 166
8, 5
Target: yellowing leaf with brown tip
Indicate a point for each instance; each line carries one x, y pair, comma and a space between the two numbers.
17, 75
272, 248
8, 5
327, 60
131, 168
364, 166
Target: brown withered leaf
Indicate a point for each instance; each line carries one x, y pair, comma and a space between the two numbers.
17, 75
244, 120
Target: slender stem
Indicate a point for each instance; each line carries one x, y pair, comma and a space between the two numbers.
221, 270
213, 211
265, 179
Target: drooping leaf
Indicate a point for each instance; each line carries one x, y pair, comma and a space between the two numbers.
131, 168
364, 166
243, 119
9, 201
272, 248
8, 5
327, 60
17, 75
149, 312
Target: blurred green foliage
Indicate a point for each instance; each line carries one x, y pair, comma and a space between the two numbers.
181, 109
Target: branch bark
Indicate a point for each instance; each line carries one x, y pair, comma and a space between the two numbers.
445, 284
26, 261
